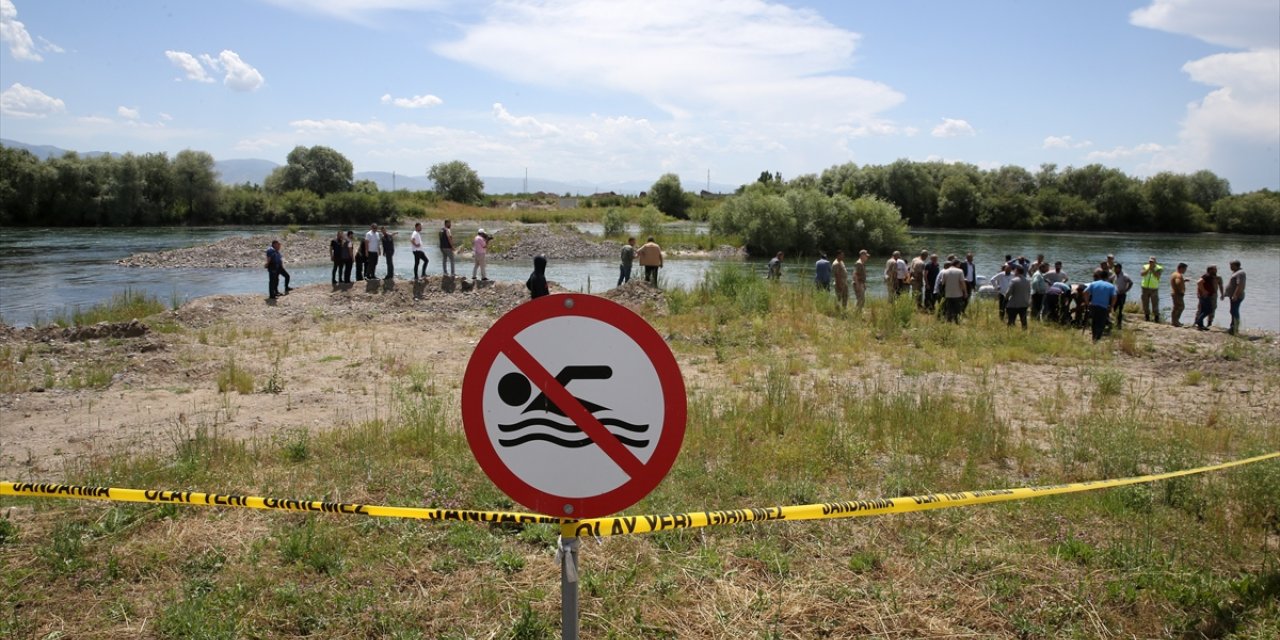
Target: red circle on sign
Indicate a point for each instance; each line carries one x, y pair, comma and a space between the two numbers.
643, 477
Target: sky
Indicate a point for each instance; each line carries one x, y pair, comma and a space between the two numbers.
612, 91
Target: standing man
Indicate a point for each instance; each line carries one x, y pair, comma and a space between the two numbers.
349, 258
335, 255
841, 275
931, 272
1123, 284
419, 251
1235, 292
1001, 282
1208, 288
917, 277
954, 291
388, 250
822, 272
1178, 291
480, 253
904, 275
1100, 295
1039, 287
1019, 297
275, 268
446, 250
372, 244
1150, 278
891, 275
970, 275
650, 256
628, 256
361, 255
860, 278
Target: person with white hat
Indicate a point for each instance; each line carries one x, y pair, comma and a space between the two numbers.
479, 247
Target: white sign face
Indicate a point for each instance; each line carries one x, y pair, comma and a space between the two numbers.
612, 379
574, 406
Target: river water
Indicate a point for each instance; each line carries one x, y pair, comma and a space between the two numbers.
49, 271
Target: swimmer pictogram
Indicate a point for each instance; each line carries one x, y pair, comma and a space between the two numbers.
515, 388
573, 405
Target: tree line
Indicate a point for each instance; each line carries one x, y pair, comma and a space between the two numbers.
315, 186
1089, 198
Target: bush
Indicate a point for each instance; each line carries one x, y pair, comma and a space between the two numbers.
650, 221
615, 222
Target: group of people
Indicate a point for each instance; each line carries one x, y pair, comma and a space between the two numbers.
347, 252
1032, 289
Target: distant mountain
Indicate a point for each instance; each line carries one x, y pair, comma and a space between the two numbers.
44, 151
255, 171
246, 170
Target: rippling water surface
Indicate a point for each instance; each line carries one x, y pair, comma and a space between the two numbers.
47, 271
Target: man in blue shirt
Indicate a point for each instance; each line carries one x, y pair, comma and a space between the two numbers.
822, 273
1102, 296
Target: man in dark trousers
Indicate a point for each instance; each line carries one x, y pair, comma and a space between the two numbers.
275, 268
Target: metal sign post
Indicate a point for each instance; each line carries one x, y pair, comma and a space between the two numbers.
568, 588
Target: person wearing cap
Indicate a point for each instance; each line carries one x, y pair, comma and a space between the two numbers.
1150, 278
860, 278
479, 249
1178, 292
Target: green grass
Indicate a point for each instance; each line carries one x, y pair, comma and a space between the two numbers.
792, 400
122, 307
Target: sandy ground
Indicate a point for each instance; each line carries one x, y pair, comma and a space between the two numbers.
337, 354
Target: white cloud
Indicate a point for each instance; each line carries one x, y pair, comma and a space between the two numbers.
523, 125
95, 120
749, 60
1125, 152
1235, 128
1065, 142
189, 65
238, 74
360, 11
21, 101
1238, 24
46, 45
416, 102
340, 127
952, 127
15, 33
128, 113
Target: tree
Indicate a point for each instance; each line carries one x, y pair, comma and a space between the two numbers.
317, 169
1257, 212
457, 182
668, 196
196, 185
959, 202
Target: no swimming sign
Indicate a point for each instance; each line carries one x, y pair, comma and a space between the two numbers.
574, 406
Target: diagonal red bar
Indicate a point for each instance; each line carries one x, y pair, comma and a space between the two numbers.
601, 436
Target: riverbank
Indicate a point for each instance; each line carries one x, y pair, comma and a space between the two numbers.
352, 394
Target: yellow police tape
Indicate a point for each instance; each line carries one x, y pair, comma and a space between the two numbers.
616, 525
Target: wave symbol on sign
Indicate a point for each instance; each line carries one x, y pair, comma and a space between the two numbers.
515, 389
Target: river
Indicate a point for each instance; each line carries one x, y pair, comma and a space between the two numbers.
49, 271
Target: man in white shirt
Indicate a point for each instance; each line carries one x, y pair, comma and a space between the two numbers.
372, 245
1002, 281
419, 251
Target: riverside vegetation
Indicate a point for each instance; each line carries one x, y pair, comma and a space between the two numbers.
790, 401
